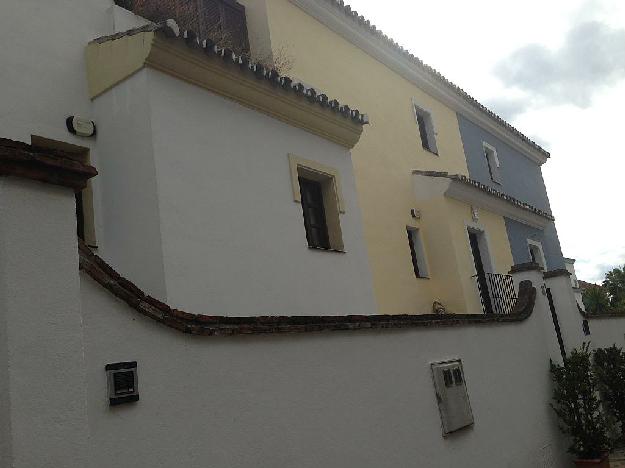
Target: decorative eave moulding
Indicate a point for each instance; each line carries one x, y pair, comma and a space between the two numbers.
441, 184
110, 60
350, 28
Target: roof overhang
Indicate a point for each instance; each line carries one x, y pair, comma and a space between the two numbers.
112, 59
389, 55
430, 185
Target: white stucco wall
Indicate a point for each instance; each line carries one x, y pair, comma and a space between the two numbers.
234, 241
606, 332
130, 236
42, 368
201, 211
566, 308
334, 399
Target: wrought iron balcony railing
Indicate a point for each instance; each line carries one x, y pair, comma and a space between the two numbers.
497, 293
222, 21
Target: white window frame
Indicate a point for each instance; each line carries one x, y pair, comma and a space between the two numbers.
494, 165
429, 126
541, 254
417, 241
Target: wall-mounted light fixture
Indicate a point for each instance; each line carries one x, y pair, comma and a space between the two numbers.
80, 127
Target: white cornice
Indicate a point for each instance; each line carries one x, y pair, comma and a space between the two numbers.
328, 15
476, 197
428, 187
113, 59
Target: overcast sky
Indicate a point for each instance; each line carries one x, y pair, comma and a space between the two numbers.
556, 70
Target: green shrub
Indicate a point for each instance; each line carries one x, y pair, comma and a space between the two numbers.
609, 366
596, 300
577, 404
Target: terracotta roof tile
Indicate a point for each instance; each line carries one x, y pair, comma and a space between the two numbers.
366, 25
42, 164
487, 189
215, 325
170, 29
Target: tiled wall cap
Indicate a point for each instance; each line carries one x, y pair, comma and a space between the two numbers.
45, 165
529, 266
215, 325
556, 273
486, 188
171, 30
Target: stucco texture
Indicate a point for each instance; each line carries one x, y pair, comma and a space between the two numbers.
322, 399
388, 151
43, 387
209, 219
443, 226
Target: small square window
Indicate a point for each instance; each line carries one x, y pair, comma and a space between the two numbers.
122, 382
492, 160
426, 129
417, 253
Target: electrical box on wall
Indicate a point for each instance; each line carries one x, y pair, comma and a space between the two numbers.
122, 382
451, 395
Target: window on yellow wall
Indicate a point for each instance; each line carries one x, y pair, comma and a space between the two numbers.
425, 126
417, 253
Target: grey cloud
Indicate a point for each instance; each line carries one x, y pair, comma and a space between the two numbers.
506, 107
592, 56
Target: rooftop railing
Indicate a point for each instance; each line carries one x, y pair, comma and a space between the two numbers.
497, 293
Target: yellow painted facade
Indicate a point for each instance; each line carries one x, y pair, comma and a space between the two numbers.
388, 151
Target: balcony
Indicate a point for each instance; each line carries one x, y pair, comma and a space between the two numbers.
222, 21
497, 293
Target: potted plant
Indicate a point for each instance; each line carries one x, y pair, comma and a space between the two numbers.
610, 371
577, 405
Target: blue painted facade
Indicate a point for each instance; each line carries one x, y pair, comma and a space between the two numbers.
521, 178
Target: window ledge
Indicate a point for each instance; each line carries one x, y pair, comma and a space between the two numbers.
326, 250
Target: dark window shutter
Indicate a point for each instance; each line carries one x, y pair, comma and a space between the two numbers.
413, 253
457, 376
314, 214
423, 132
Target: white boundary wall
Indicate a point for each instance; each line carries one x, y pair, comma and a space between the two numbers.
332, 399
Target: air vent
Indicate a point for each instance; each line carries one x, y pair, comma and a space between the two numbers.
122, 382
